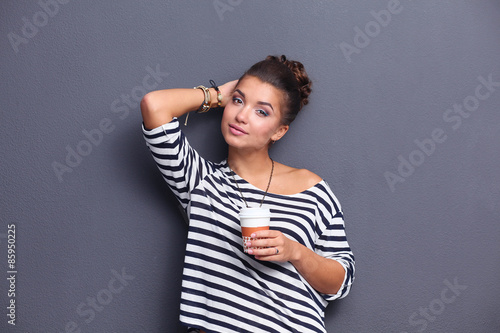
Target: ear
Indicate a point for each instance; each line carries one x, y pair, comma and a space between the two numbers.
280, 132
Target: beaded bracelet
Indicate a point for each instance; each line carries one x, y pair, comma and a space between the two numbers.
219, 94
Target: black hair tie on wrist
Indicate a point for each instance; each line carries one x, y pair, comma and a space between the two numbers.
219, 94
212, 82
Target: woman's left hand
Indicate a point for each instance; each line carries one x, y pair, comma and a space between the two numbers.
227, 90
275, 246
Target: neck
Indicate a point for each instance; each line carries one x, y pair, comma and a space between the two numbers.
249, 165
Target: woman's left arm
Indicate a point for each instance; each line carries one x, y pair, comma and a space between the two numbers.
323, 274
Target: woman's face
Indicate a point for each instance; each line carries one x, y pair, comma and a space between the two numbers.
252, 118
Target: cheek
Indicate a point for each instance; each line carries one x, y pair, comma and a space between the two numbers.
266, 132
226, 114
226, 119
229, 111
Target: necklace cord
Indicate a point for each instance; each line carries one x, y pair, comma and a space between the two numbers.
269, 183
267, 188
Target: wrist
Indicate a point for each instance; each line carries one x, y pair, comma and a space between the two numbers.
297, 253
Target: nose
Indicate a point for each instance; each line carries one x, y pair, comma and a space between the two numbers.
242, 115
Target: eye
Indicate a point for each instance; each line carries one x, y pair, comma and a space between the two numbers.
237, 100
261, 112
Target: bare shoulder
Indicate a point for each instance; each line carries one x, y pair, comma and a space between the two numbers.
293, 180
308, 178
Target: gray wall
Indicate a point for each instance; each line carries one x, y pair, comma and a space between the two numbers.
404, 124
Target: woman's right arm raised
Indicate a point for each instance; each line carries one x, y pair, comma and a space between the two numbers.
161, 106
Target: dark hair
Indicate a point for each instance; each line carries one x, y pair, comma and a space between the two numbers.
288, 76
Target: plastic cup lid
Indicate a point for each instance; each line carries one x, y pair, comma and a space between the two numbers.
254, 212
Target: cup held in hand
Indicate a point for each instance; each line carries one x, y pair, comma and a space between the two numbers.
253, 219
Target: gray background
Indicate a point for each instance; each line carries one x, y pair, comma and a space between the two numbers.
75, 68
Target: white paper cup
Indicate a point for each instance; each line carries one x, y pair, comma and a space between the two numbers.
251, 220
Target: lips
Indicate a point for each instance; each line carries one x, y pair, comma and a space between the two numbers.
236, 130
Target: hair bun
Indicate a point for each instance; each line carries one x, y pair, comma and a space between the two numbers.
298, 70
289, 77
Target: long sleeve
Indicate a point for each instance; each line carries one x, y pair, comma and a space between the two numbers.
180, 165
332, 241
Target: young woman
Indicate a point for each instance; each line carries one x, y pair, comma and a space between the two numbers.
292, 271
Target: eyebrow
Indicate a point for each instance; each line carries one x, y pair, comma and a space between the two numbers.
259, 102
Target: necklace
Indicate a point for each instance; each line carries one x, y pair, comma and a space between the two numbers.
267, 188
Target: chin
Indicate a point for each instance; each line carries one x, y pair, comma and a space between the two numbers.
233, 143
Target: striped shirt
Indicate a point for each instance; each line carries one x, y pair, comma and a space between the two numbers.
225, 289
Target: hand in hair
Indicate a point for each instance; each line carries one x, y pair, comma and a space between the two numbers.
227, 90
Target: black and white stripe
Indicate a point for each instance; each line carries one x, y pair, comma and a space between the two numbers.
224, 289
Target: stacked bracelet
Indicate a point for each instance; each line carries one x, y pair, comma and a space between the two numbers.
205, 106
207, 101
